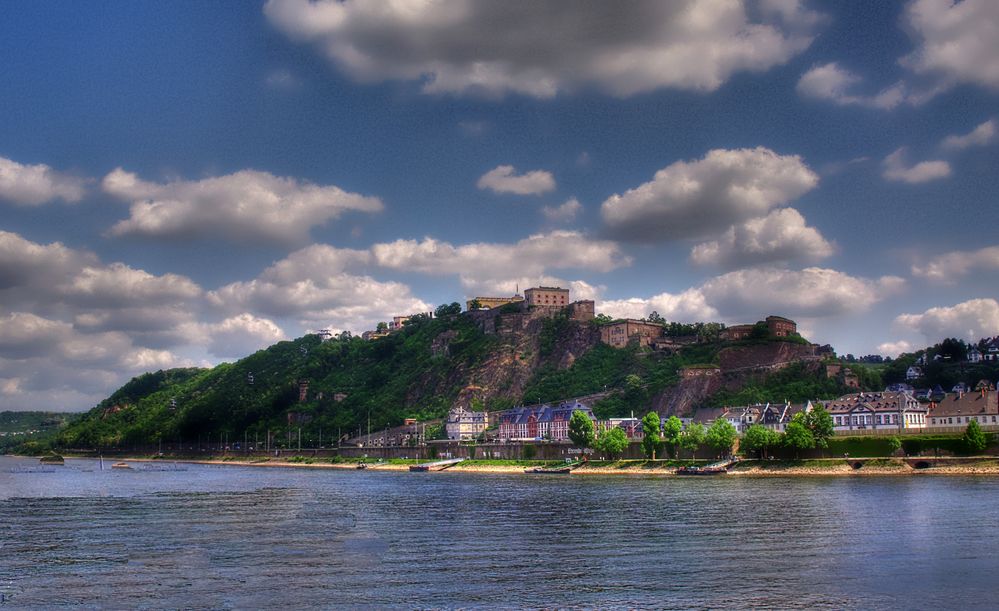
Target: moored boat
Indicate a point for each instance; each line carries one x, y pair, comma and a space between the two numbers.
121, 465
701, 471
556, 470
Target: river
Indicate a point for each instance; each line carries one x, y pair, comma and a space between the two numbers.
226, 537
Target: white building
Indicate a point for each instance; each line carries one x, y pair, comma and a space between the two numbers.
463, 425
878, 411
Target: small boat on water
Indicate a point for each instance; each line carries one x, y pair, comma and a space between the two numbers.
121, 465
53, 459
701, 471
549, 470
361, 465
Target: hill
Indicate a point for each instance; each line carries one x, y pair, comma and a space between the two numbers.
494, 361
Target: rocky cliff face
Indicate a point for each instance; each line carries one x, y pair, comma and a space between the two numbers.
523, 350
739, 365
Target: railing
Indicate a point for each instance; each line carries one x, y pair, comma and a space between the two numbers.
892, 430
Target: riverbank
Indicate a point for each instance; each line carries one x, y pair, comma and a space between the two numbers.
748, 468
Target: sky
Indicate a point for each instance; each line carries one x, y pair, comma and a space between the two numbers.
184, 183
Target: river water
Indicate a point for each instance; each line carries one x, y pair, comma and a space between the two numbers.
226, 537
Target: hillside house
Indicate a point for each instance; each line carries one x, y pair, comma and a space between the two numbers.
877, 410
960, 409
913, 373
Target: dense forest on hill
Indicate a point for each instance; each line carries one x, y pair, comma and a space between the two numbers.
350, 380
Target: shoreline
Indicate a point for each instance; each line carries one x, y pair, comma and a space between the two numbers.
872, 467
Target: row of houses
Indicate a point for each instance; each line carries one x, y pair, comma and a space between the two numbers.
886, 410
865, 411
532, 423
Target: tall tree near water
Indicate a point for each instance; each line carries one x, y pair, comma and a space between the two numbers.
581, 429
651, 440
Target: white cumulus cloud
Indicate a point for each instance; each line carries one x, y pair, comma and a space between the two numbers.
896, 170
837, 84
696, 199
504, 179
243, 206
545, 47
688, 306
893, 349
240, 335
565, 213
479, 263
970, 320
980, 136
781, 236
952, 266
33, 185
955, 42
312, 286
812, 292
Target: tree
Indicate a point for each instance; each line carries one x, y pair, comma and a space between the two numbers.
710, 332
381, 327
798, 437
974, 438
672, 429
445, 310
721, 435
655, 317
602, 319
820, 423
474, 304
650, 430
611, 442
760, 331
581, 429
952, 350
759, 438
894, 444
692, 438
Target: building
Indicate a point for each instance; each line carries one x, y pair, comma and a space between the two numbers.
991, 350
547, 296
488, 303
877, 411
632, 427
960, 409
540, 422
619, 333
583, 310
465, 425
737, 332
974, 355
778, 326
913, 373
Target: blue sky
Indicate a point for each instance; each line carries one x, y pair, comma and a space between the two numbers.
185, 182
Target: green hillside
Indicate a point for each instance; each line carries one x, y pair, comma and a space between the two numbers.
389, 379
